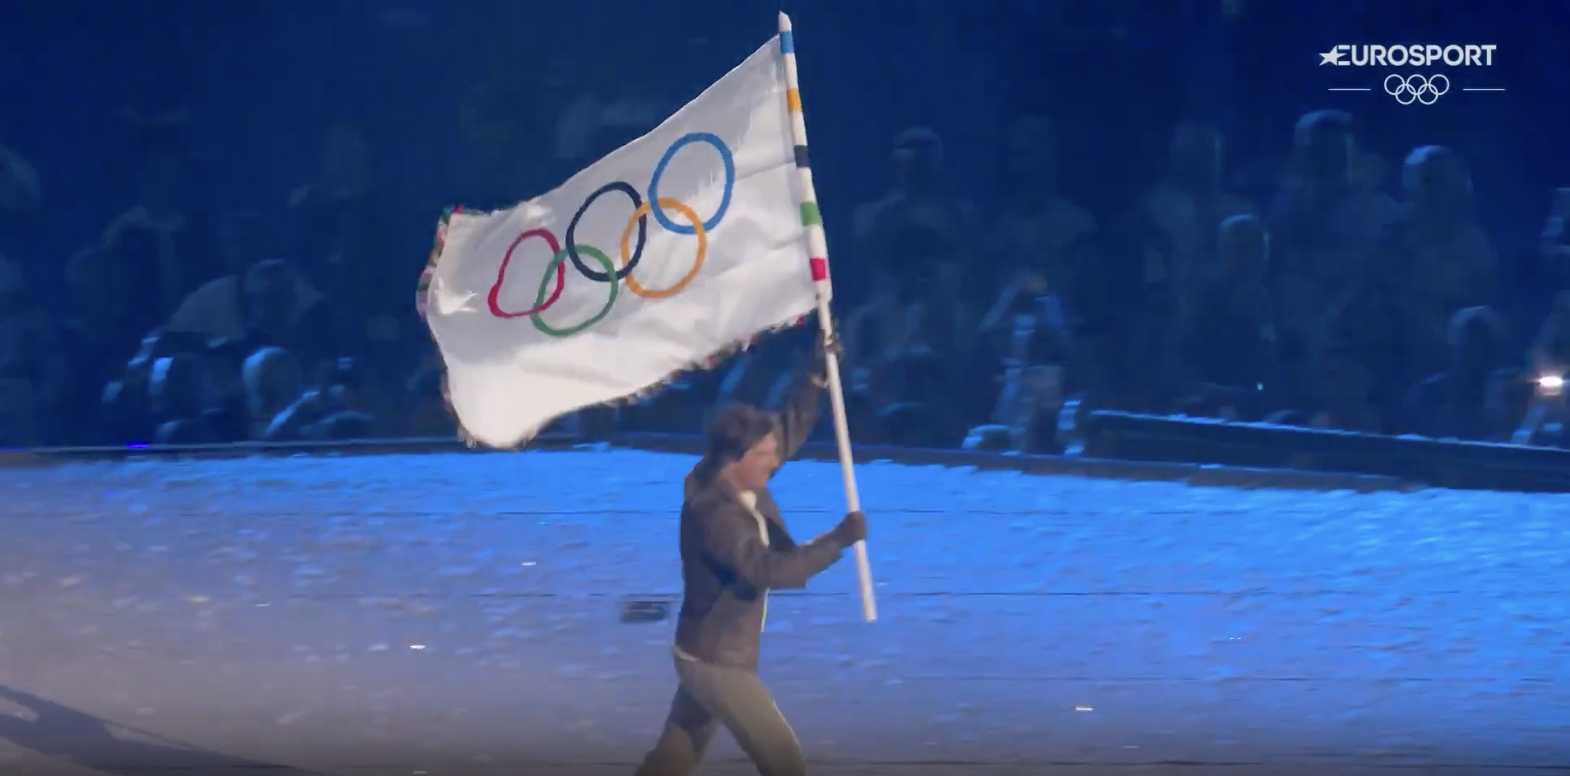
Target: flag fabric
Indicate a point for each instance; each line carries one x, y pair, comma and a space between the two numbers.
676, 248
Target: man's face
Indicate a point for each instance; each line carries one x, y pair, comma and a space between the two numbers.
1030, 153
1437, 184
1332, 153
915, 164
1477, 351
755, 467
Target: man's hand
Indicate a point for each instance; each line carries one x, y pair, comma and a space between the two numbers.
852, 529
827, 345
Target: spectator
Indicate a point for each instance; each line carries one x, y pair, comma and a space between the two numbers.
926, 310
1550, 351
352, 239
428, 414
1032, 381
271, 306
918, 228
1292, 394
1464, 401
1345, 399
30, 363
163, 246
177, 398
94, 341
1539, 400
127, 403
1138, 304
1039, 232
20, 190
1369, 322
1188, 204
1230, 337
1324, 222
273, 383
32, 366
335, 410
500, 166
1371, 179
1443, 260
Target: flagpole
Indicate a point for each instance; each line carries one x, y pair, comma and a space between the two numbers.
818, 249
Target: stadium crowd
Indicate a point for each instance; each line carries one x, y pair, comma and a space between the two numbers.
1341, 290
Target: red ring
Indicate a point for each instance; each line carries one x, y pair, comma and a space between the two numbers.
501, 274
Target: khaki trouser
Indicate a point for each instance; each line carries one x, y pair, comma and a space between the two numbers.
709, 696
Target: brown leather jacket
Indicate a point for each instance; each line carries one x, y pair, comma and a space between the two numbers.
730, 559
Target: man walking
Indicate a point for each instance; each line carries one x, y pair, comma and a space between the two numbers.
734, 549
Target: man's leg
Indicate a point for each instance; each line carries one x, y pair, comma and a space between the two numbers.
688, 730
738, 699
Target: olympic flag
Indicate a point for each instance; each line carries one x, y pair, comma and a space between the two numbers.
675, 248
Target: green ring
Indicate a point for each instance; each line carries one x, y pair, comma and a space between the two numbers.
545, 291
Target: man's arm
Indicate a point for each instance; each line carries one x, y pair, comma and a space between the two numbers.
802, 408
732, 538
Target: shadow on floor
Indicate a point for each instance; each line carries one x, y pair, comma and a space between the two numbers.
89, 742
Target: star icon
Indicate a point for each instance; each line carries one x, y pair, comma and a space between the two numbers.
1331, 57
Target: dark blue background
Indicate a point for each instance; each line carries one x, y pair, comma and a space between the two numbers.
265, 78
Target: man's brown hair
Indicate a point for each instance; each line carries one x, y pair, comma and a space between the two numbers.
734, 431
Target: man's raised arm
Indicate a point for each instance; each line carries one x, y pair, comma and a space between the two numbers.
804, 404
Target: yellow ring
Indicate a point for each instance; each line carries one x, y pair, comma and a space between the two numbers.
698, 231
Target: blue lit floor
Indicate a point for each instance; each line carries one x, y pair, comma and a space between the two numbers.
453, 613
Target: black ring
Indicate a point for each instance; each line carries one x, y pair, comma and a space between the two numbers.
569, 242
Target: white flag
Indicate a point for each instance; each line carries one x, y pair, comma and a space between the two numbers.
674, 248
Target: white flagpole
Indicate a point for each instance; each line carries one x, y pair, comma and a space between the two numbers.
817, 246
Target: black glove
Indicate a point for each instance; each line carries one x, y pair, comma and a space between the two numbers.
852, 529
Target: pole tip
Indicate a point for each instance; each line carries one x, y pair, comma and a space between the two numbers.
784, 22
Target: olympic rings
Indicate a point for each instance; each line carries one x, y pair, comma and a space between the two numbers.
699, 231
572, 231
726, 159
542, 304
545, 283
644, 206
1416, 88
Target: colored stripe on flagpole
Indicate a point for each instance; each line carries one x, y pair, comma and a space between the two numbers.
811, 217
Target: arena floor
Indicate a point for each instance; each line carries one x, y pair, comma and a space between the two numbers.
457, 613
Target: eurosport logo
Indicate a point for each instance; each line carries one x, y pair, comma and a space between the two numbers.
569, 250
1414, 88
1414, 55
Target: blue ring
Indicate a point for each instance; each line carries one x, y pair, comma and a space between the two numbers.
659, 170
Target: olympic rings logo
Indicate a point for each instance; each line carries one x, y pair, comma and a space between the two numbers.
1416, 88
569, 250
